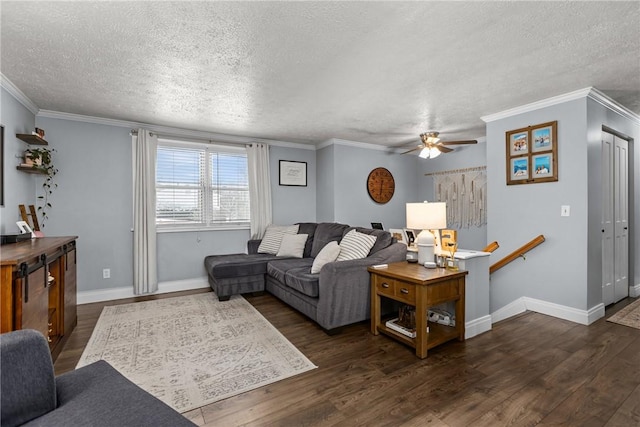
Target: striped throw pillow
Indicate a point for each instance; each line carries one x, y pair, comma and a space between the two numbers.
272, 239
355, 245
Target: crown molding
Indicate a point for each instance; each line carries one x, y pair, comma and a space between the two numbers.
18, 94
571, 96
345, 142
611, 104
173, 131
589, 92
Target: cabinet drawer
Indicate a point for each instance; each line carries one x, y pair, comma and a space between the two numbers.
385, 286
405, 292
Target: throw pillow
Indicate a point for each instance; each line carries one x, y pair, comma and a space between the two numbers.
273, 237
355, 245
292, 245
327, 254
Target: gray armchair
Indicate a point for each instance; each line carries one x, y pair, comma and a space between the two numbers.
94, 395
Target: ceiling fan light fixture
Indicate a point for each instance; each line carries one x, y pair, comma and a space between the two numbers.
434, 152
424, 153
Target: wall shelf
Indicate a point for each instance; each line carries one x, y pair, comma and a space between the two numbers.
31, 169
31, 139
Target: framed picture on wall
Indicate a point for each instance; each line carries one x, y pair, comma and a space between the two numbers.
293, 173
532, 154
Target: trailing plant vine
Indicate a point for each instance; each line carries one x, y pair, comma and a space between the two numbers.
42, 160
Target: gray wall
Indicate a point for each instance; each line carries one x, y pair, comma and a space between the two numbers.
352, 204
293, 204
597, 116
20, 188
94, 202
464, 156
555, 271
325, 204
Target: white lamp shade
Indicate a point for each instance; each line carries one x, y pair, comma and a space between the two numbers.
426, 216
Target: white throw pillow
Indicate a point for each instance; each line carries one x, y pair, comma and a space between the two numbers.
270, 243
355, 245
292, 245
328, 254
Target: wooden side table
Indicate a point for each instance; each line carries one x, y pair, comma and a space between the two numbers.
422, 288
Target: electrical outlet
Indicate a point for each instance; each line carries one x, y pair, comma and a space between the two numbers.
565, 210
106, 273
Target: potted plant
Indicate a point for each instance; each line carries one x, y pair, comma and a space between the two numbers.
41, 159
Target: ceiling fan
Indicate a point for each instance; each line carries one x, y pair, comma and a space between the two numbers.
431, 146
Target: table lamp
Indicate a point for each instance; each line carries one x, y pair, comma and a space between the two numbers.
426, 217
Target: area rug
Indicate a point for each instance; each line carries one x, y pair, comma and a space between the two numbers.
193, 350
628, 316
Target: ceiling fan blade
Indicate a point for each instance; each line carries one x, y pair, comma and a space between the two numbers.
469, 141
443, 149
413, 149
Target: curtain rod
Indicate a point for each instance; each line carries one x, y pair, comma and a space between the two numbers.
476, 168
188, 138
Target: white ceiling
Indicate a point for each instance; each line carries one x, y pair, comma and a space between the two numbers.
376, 72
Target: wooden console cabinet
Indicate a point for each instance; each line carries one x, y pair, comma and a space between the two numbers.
38, 288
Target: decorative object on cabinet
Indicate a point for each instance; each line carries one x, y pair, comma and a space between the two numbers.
532, 154
31, 300
381, 185
428, 217
293, 173
32, 213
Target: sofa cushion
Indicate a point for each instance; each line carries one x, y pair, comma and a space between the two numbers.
328, 254
383, 238
327, 232
308, 228
303, 281
99, 396
273, 237
355, 245
292, 245
279, 268
235, 265
28, 385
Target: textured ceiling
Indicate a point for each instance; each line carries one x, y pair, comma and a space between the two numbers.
376, 72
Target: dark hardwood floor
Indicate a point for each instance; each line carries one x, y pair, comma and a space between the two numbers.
530, 370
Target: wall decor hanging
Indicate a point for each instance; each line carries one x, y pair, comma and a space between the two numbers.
464, 191
532, 154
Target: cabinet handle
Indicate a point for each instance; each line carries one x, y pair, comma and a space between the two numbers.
385, 285
404, 291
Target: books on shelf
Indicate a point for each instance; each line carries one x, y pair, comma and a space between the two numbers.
393, 324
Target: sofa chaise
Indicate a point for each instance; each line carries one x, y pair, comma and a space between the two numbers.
95, 395
337, 295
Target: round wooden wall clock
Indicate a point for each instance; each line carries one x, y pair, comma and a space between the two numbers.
381, 185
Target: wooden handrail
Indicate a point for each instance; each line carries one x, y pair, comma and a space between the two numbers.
517, 253
491, 247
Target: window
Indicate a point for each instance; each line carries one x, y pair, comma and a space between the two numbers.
200, 186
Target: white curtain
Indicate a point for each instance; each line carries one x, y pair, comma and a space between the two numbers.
145, 267
259, 188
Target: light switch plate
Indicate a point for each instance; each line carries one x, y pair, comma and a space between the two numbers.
565, 210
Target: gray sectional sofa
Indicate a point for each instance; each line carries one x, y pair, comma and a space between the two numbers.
95, 395
338, 295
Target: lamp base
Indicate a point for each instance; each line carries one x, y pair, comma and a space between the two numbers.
426, 246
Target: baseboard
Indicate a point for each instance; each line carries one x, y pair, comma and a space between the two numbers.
634, 291
477, 326
583, 317
512, 309
99, 295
